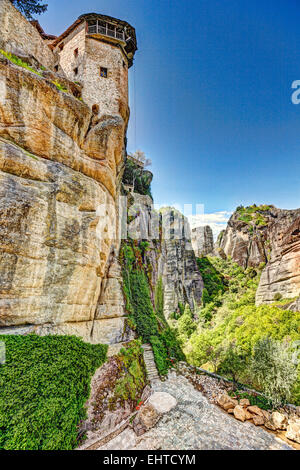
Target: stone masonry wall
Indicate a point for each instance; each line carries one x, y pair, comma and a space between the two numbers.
66, 57
20, 37
111, 93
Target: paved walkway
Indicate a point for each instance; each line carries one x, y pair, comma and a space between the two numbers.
196, 424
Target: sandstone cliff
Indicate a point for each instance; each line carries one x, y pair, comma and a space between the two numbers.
203, 241
266, 235
170, 252
177, 263
58, 165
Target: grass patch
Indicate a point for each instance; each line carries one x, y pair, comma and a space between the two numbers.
17, 61
60, 87
44, 384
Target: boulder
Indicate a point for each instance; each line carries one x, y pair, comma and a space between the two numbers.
270, 425
248, 415
162, 402
258, 420
226, 402
255, 410
230, 404
279, 420
244, 402
293, 431
230, 411
239, 413
148, 416
266, 414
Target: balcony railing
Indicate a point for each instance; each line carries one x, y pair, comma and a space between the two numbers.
107, 30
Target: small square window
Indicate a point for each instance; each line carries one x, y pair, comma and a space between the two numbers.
76, 52
56, 68
76, 71
103, 72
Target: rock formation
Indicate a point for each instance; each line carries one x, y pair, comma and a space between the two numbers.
61, 166
177, 264
170, 252
266, 235
281, 276
53, 262
203, 241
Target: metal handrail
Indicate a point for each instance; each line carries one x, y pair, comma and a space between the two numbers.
97, 29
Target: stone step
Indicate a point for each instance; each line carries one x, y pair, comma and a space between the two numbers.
150, 363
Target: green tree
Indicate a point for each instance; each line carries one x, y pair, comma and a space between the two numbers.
159, 298
233, 363
186, 325
30, 7
273, 369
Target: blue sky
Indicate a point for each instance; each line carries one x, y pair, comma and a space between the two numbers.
210, 96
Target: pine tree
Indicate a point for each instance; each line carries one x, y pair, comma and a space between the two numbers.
29, 7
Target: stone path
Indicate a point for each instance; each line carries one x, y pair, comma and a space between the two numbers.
150, 363
196, 424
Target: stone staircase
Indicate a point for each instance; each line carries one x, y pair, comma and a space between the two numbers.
150, 363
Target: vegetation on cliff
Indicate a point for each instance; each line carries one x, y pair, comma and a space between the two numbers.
253, 215
147, 320
17, 61
229, 336
118, 387
138, 178
44, 384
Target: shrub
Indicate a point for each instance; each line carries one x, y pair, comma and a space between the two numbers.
143, 313
44, 384
186, 325
160, 355
148, 323
159, 298
133, 374
273, 369
233, 363
277, 296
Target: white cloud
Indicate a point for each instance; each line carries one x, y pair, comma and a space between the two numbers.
216, 220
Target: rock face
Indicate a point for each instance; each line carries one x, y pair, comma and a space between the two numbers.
203, 241
22, 40
170, 251
266, 235
177, 264
59, 170
282, 273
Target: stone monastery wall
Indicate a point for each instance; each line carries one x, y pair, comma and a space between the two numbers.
66, 58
